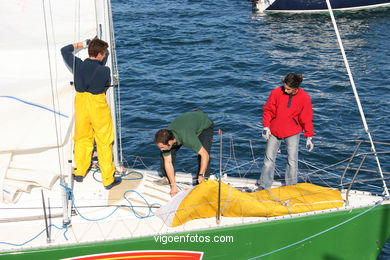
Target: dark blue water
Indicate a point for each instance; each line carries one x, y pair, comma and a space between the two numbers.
222, 58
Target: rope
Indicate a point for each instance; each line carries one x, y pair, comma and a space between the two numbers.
35, 105
362, 115
130, 206
238, 166
127, 173
35, 237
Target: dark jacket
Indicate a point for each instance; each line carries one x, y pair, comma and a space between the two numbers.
89, 75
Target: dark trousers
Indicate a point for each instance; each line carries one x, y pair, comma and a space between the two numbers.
206, 138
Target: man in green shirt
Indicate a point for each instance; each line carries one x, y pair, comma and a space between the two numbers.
193, 130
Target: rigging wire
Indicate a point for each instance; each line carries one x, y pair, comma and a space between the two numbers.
129, 206
51, 84
56, 76
115, 74
362, 115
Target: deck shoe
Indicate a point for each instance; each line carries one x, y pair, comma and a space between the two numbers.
259, 188
244, 189
117, 180
78, 178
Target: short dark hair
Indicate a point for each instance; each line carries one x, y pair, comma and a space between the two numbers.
293, 80
97, 46
163, 136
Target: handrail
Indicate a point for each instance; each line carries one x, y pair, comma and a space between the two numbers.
368, 142
353, 179
350, 161
219, 179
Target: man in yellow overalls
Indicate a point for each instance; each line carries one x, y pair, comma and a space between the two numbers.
92, 114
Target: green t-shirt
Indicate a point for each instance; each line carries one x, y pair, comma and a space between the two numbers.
187, 127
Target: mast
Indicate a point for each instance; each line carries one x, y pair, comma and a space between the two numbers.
105, 31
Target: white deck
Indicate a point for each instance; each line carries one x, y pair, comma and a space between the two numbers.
20, 225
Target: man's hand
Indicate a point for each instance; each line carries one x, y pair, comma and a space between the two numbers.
266, 133
174, 190
309, 144
88, 41
170, 174
200, 178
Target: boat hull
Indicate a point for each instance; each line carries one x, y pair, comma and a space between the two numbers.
318, 5
335, 235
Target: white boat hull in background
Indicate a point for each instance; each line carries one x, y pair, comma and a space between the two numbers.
306, 6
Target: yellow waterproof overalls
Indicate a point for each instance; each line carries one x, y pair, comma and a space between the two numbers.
93, 123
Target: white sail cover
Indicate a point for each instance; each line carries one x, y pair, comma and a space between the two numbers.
36, 98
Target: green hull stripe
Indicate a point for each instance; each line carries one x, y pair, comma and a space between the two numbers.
361, 238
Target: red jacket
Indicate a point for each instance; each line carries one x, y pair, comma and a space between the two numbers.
287, 115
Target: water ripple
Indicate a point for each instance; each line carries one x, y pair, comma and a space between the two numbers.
222, 58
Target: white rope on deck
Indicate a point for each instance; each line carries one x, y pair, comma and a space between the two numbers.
356, 94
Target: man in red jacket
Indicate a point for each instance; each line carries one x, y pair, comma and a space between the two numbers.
287, 112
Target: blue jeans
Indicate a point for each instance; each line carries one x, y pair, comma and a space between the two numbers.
267, 172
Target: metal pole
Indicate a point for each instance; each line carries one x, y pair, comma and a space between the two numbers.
350, 161
45, 215
220, 176
66, 200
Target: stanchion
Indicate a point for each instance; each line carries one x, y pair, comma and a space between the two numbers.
219, 179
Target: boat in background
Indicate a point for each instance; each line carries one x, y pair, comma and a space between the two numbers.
315, 6
44, 214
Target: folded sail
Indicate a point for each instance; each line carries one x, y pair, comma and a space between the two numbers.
202, 202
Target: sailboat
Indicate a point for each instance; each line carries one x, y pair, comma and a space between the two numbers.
306, 6
46, 215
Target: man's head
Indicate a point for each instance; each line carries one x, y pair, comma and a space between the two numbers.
164, 139
292, 82
97, 49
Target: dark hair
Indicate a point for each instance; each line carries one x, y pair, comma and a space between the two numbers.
96, 46
293, 80
163, 136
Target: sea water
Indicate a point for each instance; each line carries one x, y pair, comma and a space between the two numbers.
224, 58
